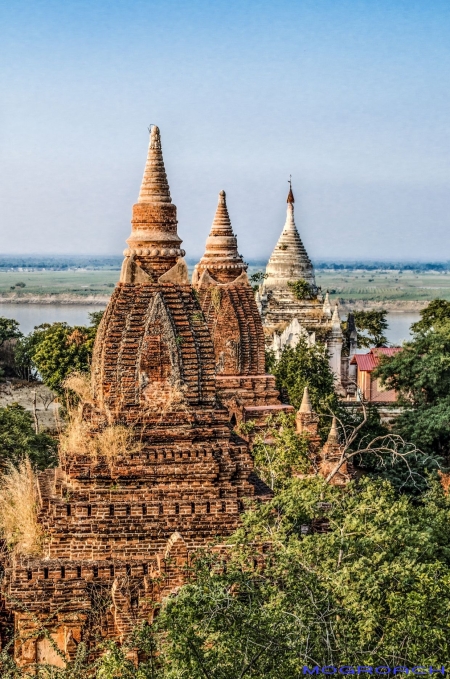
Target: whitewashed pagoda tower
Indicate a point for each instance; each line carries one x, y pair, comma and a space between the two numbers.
289, 263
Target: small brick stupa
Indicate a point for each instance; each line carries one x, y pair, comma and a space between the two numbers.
120, 527
230, 310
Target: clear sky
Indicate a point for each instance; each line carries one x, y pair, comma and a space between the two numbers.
351, 97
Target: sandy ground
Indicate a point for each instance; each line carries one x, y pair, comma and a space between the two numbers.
25, 393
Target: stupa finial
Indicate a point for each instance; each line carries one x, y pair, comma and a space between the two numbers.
221, 258
154, 187
333, 436
305, 406
154, 244
290, 198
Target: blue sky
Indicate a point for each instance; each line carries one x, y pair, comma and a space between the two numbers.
350, 97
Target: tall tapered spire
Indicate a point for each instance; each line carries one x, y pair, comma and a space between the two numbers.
154, 244
221, 258
289, 260
154, 187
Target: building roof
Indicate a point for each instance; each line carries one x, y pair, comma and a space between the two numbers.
370, 361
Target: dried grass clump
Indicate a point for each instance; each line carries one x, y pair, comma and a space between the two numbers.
80, 383
115, 441
19, 509
77, 437
163, 398
112, 442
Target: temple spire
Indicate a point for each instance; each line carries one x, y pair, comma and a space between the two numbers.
154, 187
305, 406
336, 321
289, 261
333, 436
327, 305
221, 258
290, 198
154, 244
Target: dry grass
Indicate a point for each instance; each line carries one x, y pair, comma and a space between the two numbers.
77, 437
80, 383
115, 441
19, 509
112, 442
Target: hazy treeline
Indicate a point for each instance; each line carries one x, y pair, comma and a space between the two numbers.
62, 262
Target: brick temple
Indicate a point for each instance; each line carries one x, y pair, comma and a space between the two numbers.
177, 366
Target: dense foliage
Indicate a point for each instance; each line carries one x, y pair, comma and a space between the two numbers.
54, 351
19, 439
371, 327
420, 374
306, 366
9, 329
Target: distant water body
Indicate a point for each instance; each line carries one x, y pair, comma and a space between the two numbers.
30, 315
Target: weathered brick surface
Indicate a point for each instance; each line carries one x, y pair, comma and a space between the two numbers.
119, 533
233, 319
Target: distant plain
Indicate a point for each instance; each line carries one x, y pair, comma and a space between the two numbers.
394, 287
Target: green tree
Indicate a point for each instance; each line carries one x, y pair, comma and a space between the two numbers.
95, 317
61, 350
306, 366
420, 374
375, 586
54, 351
278, 451
9, 329
18, 439
435, 314
370, 326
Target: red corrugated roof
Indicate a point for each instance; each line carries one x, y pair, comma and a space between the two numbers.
370, 361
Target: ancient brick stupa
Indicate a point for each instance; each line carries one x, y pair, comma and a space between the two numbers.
230, 310
119, 525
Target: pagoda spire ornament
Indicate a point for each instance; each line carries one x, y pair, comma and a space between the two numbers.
154, 244
289, 261
221, 258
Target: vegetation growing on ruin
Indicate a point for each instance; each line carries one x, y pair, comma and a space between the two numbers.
19, 527
302, 290
306, 366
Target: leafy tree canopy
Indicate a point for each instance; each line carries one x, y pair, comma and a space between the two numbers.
54, 351
420, 374
370, 326
306, 366
18, 439
375, 587
435, 314
9, 329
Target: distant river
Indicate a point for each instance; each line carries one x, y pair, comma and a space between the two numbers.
30, 315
